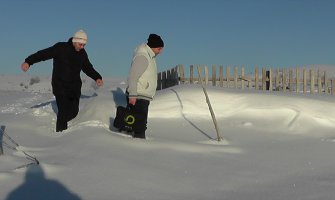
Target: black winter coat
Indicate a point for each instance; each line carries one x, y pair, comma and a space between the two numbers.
67, 65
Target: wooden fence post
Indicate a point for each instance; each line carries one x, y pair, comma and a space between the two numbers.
228, 76
191, 74
159, 81
297, 76
181, 74
333, 86
305, 80
176, 75
256, 78
284, 79
214, 75
164, 80
270, 79
290, 80
319, 82
263, 79
242, 78
277, 81
221, 76
235, 76
311, 71
168, 79
199, 73
206, 75
325, 83
172, 77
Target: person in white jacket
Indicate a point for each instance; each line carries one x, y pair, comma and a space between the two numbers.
142, 79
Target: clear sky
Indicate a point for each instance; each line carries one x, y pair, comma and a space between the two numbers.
281, 33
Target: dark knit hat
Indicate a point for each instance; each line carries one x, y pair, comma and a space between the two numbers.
155, 41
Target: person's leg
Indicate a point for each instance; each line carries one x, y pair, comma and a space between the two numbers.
141, 107
68, 108
61, 123
73, 108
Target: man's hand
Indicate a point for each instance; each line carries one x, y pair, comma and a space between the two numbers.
25, 66
99, 82
132, 101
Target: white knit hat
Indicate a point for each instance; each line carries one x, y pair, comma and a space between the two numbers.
80, 36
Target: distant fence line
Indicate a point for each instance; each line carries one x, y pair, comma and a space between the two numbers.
299, 80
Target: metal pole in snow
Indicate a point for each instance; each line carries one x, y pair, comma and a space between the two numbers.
210, 107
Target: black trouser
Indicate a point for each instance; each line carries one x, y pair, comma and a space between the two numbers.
141, 107
68, 108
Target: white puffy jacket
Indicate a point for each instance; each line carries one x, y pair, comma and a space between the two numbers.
145, 86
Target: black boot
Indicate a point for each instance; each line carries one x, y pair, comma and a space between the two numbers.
61, 126
140, 135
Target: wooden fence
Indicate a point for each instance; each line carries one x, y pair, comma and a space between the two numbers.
168, 78
299, 80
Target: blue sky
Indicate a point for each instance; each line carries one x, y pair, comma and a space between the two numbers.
278, 33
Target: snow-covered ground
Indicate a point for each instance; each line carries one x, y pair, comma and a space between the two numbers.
277, 146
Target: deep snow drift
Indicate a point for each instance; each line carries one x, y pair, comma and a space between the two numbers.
277, 145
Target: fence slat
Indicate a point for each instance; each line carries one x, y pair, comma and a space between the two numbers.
277, 80
199, 73
206, 75
325, 81
290, 80
284, 80
270, 80
312, 81
221, 76
319, 82
256, 78
297, 77
164, 80
181, 74
159, 81
191, 74
235, 76
305, 80
228, 76
263, 79
214, 75
242, 75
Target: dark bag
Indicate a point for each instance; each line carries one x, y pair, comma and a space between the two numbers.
127, 120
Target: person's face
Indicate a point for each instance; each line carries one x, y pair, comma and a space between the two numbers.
157, 50
78, 46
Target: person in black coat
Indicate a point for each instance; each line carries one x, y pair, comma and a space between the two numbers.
69, 59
